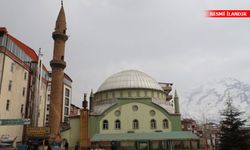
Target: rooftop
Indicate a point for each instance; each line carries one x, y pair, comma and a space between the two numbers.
129, 79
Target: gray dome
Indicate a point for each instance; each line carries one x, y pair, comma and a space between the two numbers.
129, 79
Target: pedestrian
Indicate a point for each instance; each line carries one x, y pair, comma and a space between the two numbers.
66, 145
77, 146
49, 147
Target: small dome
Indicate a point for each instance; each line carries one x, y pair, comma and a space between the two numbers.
129, 79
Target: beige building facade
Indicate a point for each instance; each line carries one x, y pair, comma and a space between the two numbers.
23, 86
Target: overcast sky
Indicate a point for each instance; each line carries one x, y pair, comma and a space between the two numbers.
172, 41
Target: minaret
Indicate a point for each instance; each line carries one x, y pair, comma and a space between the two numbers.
91, 99
176, 103
84, 125
57, 64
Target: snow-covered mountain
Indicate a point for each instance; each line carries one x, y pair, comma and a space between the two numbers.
205, 102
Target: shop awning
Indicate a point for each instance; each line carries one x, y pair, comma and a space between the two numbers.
175, 135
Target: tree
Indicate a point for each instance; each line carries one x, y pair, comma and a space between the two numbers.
231, 138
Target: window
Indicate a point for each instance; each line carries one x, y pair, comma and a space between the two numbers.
25, 76
12, 67
8, 105
67, 101
121, 94
49, 87
66, 111
152, 113
135, 124
134, 107
138, 93
48, 107
23, 91
22, 109
117, 113
129, 93
117, 124
145, 93
67, 92
165, 124
10, 85
153, 124
49, 97
105, 125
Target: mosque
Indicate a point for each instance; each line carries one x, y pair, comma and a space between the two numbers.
131, 111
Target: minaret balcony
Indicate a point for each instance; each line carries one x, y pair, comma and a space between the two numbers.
58, 64
59, 35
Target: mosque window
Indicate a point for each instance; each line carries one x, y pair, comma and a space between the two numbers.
134, 107
145, 93
135, 124
165, 124
117, 113
152, 93
105, 125
152, 113
153, 124
121, 94
138, 93
106, 95
129, 93
117, 124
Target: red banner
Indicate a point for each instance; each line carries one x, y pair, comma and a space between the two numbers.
228, 13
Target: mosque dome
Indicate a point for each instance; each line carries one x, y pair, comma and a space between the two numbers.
129, 79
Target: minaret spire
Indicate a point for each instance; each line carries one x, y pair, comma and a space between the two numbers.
176, 103
61, 2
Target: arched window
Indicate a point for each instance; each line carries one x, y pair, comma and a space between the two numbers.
135, 124
153, 124
117, 124
105, 125
165, 124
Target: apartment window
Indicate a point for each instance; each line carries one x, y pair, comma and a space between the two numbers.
135, 124
67, 92
25, 76
117, 124
24, 91
8, 105
12, 67
48, 107
105, 125
22, 109
153, 124
49, 87
67, 101
49, 97
10, 85
165, 124
66, 111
